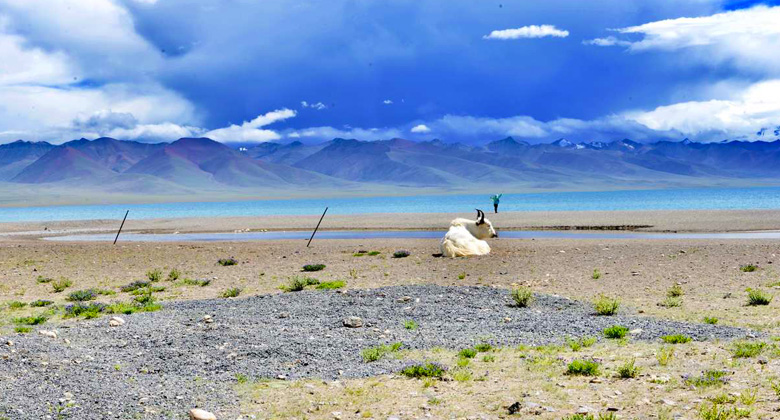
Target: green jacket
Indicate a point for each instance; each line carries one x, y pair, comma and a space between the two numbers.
496, 198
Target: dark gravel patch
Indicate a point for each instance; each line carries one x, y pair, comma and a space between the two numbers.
161, 364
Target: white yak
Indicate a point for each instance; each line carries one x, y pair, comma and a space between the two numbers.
466, 237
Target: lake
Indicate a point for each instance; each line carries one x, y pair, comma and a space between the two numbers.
670, 199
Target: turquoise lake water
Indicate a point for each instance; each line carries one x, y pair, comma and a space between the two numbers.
677, 199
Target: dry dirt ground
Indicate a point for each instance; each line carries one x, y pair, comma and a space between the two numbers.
639, 273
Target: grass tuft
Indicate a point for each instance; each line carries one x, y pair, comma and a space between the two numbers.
232, 292
710, 320
226, 262
606, 306
331, 285
708, 378
313, 267
582, 367
40, 303
31, 320
298, 283
596, 274
174, 275
675, 291
424, 370
748, 268
676, 339
61, 284
745, 349
522, 297
628, 370
615, 331
410, 325
757, 297
372, 354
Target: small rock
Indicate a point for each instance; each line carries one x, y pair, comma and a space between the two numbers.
47, 333
9, 343
668, 402
116, 321
336, 415
353, 322
198, 414
208, 319
284, 315
514, 408
404, 299
584, 409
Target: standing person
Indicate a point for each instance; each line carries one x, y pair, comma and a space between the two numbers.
496, 198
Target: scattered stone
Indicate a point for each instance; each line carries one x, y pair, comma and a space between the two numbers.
198, 414
284, 315
404, 299
47, 333
353, 322
116, 321
336, 415
208, 319
584, 409
668, 402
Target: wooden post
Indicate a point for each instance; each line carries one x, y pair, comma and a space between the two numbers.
120, 227
318, 226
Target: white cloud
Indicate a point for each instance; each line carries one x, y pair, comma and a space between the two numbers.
328, 133
531, 31
740, 116
420, 128
252, 130
319, 106
747, 38
387, 102
606, 42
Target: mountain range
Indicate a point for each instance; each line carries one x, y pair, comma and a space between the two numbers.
190, 165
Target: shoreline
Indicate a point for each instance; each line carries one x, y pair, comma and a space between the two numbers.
658, 221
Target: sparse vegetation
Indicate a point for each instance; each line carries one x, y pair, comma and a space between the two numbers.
628, 370
467, 353
607, 416
298, 283
483, 347
231, 293
710, 320
373, 253
313, 267
596, 274
86, 295
42, 279
401, 254
61, 284
606, 306
154, 275
522, 296
372, 354
671, 302
134, 286
461, 276
226, 262
615, 331
194, 282
675, 291
757, 297
331, 285
174, 275
714, 411
16, 305
88, 311
22, 330
410, 325
744, 349
577, 345
708, 378
665, 355
676, 339
748, 268
583, 367
31, 320
424, 370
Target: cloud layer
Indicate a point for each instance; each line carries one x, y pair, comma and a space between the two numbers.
531, 31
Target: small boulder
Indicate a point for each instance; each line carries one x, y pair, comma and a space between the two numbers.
116, 321
47, 333
353, 322
198, 414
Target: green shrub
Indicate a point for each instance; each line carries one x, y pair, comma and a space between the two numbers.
31, 320
675, 291
607, 416
313, 267
483, 347
374, 253
16, 305
424, 370
193, 282
522, 297
596, 274
231, 293
40, 303
628, 370
583, 367
372, 354
461, 375
743, 349
410, 325
81, 296
22, 330
42, 279
467, 353
606, 306
461, 276
615, 331
88, 311
676, 339
710, 320
174, 275
298, 283
121, 308
154, 275
61, 285
748, 268
488, 358
758, 297
227, 262
714, 411
401, 254
149, 287
330, 285
134, 286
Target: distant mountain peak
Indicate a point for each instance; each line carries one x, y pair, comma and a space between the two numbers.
686, 141
564, 143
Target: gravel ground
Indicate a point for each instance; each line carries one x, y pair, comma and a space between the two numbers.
159, 365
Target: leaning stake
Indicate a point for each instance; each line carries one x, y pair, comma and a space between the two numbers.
120, 227
318, 226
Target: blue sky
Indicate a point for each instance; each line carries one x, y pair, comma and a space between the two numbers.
243, 70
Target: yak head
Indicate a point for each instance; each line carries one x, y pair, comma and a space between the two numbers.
483, 229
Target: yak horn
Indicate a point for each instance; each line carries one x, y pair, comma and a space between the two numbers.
480, 217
